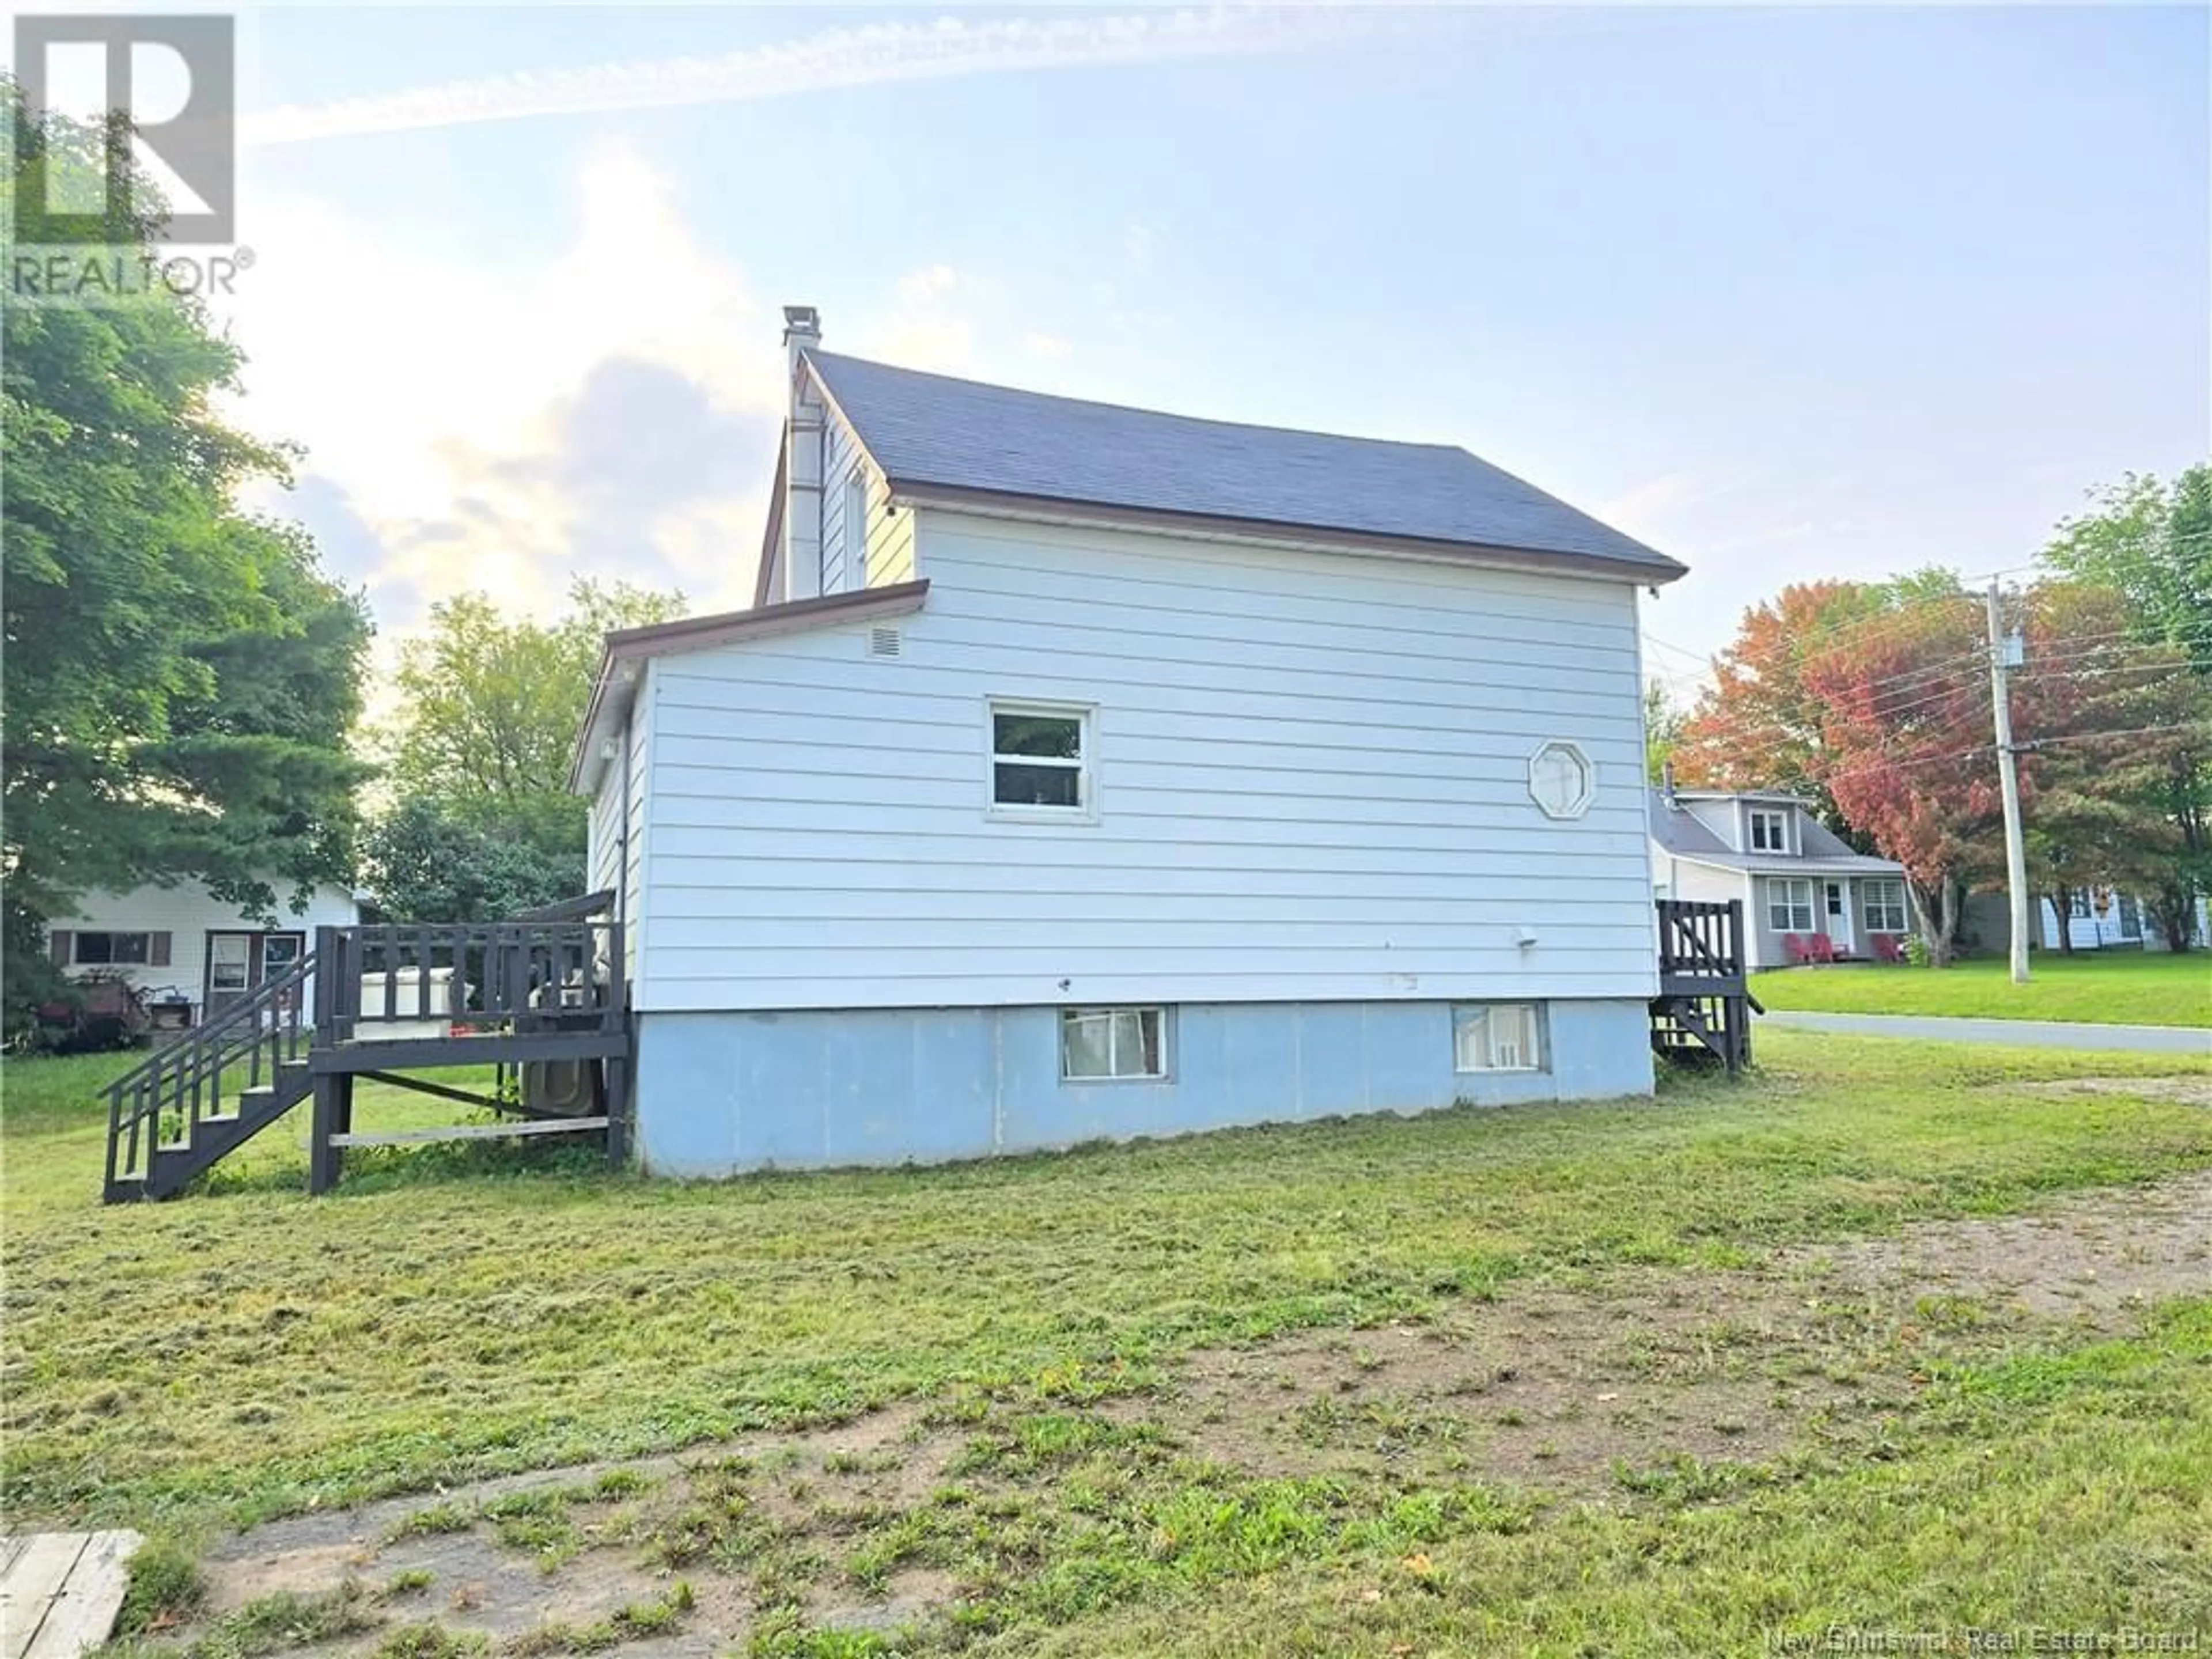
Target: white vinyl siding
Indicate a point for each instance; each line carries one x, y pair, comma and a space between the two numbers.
639, 755
603, 869
882, 539
840, 455
1313, 783
891, 538
187, 912
1789, 904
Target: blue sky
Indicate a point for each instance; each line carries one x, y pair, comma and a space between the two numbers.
1789, 293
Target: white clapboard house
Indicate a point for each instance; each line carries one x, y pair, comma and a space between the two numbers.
186, 951
1082, 771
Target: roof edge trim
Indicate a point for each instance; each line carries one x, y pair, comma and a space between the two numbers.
1268, 533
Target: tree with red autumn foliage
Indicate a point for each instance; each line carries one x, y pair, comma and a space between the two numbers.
1873, 699
1759, 727
1904, 718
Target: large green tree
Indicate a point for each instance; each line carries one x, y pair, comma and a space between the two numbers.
490, 706
2151, 540
179, 675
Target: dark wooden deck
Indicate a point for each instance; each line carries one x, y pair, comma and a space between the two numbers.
529, 995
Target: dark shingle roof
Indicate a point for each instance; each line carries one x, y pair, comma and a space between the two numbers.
930, 429
1681, 834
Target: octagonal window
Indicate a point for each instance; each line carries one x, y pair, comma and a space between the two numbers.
1561, 780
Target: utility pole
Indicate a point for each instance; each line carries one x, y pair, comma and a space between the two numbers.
2004, 654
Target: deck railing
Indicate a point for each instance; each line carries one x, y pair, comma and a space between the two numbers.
1701, 940
1705, 1005
163, 1101
565, 973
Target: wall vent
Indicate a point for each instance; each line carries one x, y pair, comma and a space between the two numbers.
883, 642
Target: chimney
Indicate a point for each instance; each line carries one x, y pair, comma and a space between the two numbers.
802, 502
802, 330
1667, 780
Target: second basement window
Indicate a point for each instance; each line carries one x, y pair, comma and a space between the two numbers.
1498, 1036
1096, 1044
1040, 761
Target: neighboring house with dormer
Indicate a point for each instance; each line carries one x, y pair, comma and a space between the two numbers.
1806, 895
1082, 771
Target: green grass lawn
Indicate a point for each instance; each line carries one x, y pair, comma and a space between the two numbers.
2108, 988
247, 1353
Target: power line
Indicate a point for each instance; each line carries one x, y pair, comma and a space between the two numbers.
1760, 661
2203, 726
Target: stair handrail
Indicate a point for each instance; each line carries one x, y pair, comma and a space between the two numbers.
201, 1036
234, 1032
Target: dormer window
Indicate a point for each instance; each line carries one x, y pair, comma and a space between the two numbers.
1770, 830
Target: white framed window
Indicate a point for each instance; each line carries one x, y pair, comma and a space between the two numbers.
1885, 907
1789, 905
1498, 1036
1770, 830
1041, 761
1104, 1045
856, 530
1561, 780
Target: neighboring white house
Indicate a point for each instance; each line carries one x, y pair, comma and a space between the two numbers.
1086, 772
180, 943
1797, 879
2102, 917
2098, 919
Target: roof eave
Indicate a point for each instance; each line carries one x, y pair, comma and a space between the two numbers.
627, 649
1739, 864
1263, 533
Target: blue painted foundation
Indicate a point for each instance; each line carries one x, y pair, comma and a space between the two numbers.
721, 1093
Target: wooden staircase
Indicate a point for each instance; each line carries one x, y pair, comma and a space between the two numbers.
210, 1091
1703, 1008
542, 997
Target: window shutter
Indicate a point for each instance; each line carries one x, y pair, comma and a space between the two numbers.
157, 949
58, 946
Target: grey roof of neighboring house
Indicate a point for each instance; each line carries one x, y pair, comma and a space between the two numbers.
931, 430
1683, 836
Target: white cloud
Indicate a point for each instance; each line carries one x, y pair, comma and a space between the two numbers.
877, 53
922, 286
1052, 347
437, 392
1657, 501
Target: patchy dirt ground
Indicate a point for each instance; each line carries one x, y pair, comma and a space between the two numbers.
1573, 1393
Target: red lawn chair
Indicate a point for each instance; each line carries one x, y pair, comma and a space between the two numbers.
1823, 948
1799, 952
1888, 947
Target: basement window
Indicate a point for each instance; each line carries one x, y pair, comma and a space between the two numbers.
1100, 1045
1040, 761
1498, 1036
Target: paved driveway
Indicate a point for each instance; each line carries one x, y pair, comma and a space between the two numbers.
2034, 1033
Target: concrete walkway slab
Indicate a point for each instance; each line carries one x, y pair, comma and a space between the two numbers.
2032, 1033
